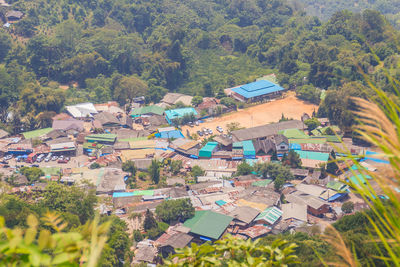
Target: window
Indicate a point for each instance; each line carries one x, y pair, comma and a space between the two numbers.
283, 147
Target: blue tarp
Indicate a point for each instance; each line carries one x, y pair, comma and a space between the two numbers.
170, 134
295, 146
336, 196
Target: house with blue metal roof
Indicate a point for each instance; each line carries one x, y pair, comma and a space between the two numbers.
257, 91
174, 114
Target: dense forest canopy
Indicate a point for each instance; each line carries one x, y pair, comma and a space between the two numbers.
324, 9
120, 49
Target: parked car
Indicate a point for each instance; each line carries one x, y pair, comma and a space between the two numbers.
8, 157
34, 165
197, 123
62, 161
190, 124
54, 158
48, 157
67, 159
205, 131
210, 132
219, 129
61, 157
40, 158
200, 133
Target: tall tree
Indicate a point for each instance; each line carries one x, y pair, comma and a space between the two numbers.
332, 166
154, 171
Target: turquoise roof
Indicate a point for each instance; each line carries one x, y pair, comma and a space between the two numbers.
359, 178
179, 113
206, 151
313, 155
248, 148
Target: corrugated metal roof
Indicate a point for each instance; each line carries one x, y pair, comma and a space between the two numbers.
248, 148
101, 137
293, 134
257, 88
179, 113
270, 215
208, 224
147, 110
36, 133
313, 155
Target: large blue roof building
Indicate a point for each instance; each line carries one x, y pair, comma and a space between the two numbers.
256, 91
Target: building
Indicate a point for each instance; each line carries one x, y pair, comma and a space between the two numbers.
249, 151
68, 124
310, 159
82, 110
107, 120
208, 225
208, 150
14, 15
269, 216
37, 133
257, 91
315, 205
64, 147
265, 131
294, 211
179, 113
243, 216
147, 111
106, 139
174, 98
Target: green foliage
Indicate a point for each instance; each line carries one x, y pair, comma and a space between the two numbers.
94, 165
154, 171
273, 171
309, 93
32, 173
197, 100
71, 199
175, 210
231, 251
233, 126
243, 169
176, 166
293, 160
118, 246
312, 123
52, 246
137, 236
348, 207
332, 166
197, 171
149, 221
278, 184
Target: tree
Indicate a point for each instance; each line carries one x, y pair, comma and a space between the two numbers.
274, 156
248, 253
309, 93
293, 160
244, 169
176, 166
278, 184
129, 166
154, 171
197, 100
32, 173
128, 88
348, 207
332, 166
312, 123
70, 199
175, 210
94, 165
149, 221
5, 44
197, 171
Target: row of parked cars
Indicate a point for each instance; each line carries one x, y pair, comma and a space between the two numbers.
208, 131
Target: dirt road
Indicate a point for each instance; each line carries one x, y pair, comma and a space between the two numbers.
290, 106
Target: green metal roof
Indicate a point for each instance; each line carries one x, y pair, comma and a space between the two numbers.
143, 193
36, 133
148, 109
262, 183
88, 145
337, 186
208, 223
271, 215
313, 155
293, 134
333, 138
101, 137
248, 148
316, 132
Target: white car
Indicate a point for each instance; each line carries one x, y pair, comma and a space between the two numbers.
196, 123
219, 129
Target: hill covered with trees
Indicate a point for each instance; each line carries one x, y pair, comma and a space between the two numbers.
324, 9
121, 49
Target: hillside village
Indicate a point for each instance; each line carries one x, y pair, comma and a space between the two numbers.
227, 173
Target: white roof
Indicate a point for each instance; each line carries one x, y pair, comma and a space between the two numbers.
82, 110
311, 189
294, 211
166, 129
62, 145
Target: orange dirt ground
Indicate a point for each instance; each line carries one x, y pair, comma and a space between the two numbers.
290, 106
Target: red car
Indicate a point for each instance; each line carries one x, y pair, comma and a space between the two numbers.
62, 161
